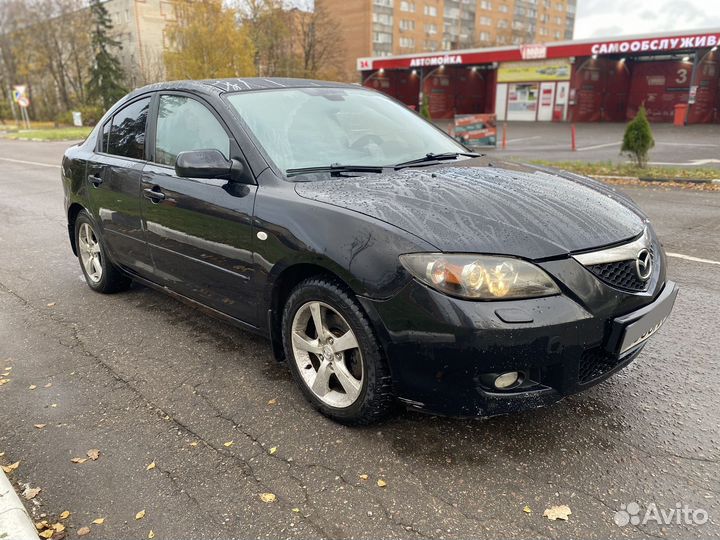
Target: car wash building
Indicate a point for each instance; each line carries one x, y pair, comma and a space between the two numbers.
595, 80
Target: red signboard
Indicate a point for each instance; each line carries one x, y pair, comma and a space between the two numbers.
631, 45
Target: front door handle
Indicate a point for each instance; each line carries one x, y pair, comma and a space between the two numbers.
154, 195
95, 180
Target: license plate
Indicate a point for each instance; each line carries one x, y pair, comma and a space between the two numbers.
640, 325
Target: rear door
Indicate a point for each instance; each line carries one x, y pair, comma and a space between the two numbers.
115, 176
199, 230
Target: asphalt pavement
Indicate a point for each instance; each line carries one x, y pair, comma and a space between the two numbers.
147, 380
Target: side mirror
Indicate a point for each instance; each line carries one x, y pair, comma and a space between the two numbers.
208, 164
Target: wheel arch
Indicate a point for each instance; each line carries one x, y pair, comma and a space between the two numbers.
73, 210
282, 286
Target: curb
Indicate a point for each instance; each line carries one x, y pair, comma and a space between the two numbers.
15, 522
715, 181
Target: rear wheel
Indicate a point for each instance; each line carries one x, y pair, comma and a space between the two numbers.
333, 354
100, 274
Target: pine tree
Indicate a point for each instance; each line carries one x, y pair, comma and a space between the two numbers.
106, 75
638, 138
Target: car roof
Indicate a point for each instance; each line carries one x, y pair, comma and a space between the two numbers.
221, 86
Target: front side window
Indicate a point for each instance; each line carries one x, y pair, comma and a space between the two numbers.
127, 131
315, 127
186, 124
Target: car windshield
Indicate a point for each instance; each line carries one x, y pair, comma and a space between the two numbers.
317, 127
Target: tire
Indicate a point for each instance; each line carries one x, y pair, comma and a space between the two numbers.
367, 397
100, 274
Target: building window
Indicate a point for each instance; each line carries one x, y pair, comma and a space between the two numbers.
431, 45
484, 36
558, 35
560, 7
385, 3
485, 4
485, 21
382, 18
430, 11
407, 6
431, 29
407, 25
503, 8
382, 37
518, 25
407, 43
502, 23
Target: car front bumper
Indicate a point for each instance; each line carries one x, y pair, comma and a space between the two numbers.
442, 350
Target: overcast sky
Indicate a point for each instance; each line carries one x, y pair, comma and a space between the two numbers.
600, 18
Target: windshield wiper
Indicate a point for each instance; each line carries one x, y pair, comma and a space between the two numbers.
335, 168
432, 158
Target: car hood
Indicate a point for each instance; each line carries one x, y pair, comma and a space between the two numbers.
489, 207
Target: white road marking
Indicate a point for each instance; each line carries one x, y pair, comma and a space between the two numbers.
687, 144
523, 139
30, 162
692, 162
689, 258
594, 147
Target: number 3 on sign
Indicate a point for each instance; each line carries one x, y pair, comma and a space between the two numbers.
681, 76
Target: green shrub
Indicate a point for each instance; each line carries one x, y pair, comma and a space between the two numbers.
638, 138
425, 107
91, 115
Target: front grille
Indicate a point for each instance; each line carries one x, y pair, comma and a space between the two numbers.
623, 274
595, 363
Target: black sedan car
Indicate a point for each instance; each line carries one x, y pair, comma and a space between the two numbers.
385, 262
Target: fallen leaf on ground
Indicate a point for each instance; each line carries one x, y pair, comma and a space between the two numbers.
93, 454
58, 527
381, 483
39, 426
40, 525
296, 510
54, 405
31, 493
11, 468
527, 509
48, 385
79, 459
9, 368
273, 451
47, 533
557, 512
140, 514
151, 466
4, 381
228, 444
268, 497
99, 521
6, 374
272, 402
194, 443
51, 304
32, 387
65, 515
363, 477
151, 534
82, 531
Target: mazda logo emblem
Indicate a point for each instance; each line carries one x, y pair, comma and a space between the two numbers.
643, 264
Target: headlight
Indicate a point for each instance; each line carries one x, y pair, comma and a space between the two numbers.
480, 277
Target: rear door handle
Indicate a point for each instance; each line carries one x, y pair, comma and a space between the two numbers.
95, 180
153, 195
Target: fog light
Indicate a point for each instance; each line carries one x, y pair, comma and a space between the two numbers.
506, 380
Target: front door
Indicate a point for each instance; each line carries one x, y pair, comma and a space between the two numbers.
114, 176
199, 230
547, 98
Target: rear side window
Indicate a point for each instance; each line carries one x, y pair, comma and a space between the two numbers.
127, 131
186, 124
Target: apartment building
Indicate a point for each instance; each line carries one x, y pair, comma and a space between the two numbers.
140, 27
390, 27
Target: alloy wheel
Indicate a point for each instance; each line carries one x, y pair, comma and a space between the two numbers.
327, 354
90, 253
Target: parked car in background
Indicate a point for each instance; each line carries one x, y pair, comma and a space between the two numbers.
384, 261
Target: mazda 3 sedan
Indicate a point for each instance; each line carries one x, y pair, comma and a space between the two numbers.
385, 262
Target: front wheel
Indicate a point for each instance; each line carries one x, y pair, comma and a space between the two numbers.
100, 274
333, 354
